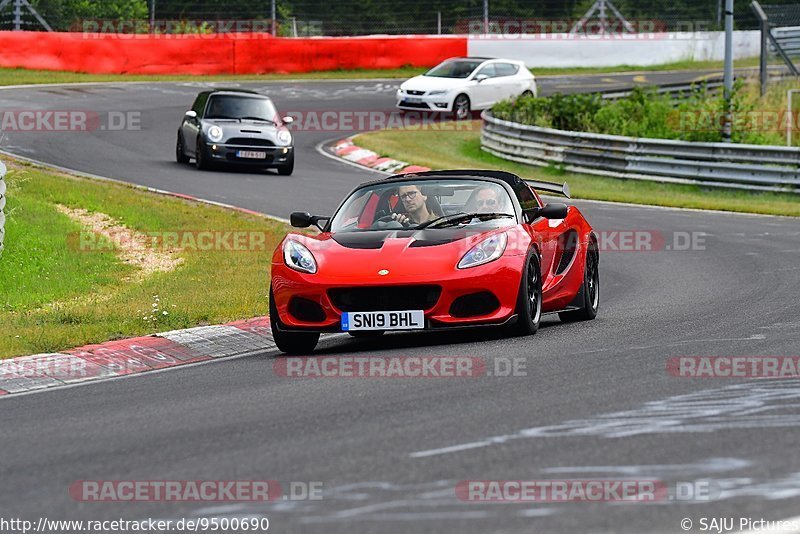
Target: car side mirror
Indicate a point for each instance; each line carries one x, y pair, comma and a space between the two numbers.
191, 114
480, 77
554, 210
303, 219
549, 211
287, 119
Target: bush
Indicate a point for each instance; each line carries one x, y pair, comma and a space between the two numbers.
696, 116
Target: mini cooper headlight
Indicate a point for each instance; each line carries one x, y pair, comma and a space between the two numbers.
298, 257
215, 134
285, 137
487, 250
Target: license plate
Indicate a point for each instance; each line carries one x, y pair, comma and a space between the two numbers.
251, 154
383, 320
412, 100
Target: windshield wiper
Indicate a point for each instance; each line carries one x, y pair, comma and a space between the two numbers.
459, 217
259, 119
224, 117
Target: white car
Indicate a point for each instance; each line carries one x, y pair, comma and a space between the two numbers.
461, 85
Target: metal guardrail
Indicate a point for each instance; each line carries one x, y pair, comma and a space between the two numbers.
755, 167
788, 38
2, 205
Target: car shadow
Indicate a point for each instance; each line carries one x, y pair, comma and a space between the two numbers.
410, 340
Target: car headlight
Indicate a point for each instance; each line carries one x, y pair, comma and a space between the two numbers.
438, 92
285, 137
487, 250
215, 134
298, 257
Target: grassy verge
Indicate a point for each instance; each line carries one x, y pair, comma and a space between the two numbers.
25, 77
56, 293
460, 149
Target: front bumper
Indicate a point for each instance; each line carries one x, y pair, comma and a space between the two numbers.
224, 153
315, 303
424, 102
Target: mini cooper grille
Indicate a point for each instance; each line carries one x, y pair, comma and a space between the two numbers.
385, 298
249, 141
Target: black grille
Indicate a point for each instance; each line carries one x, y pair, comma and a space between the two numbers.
306, 310
420, 105
567, 243
474, 305
249, 141
416, 93
385, 298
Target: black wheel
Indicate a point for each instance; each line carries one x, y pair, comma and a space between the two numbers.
461, 107
287, 168
590, 290
290, 342
526, 94
529, 299
201, 156
180, 155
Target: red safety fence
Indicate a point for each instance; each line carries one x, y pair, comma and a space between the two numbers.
244, 53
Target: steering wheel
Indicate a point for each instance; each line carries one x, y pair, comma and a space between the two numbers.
390, 222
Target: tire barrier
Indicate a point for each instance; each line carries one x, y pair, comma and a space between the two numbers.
233, 53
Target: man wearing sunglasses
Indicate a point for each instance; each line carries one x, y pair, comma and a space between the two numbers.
488, 200
415, 206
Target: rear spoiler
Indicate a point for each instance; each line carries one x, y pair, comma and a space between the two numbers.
550, 187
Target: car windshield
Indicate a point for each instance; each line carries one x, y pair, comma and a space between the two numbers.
240, 107
430, 204
461, 68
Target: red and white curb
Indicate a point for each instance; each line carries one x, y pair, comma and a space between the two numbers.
133, 356
353, 153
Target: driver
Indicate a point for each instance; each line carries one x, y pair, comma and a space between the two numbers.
415, 205
488, 200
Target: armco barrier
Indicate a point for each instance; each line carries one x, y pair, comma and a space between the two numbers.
2, 205
234, 53
715, 164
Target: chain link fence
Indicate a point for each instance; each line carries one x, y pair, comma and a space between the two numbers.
366, 17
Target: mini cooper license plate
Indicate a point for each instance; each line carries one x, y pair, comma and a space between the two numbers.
251, 154
385, 320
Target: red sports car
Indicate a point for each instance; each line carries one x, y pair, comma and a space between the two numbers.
431, 251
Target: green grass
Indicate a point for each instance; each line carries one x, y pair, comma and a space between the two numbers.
24, 77
678, 65
460, 149
54, 296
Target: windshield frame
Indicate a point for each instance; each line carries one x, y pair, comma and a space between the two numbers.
261, 99
478, 65
398, 181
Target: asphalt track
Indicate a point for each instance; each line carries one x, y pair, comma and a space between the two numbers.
595, 401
